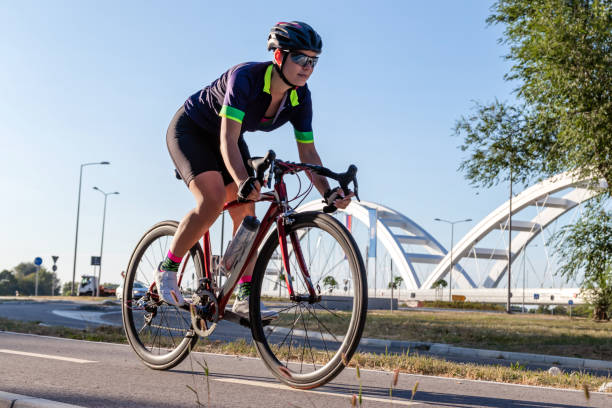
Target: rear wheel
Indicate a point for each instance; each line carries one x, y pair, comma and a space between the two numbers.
159, 333
305, 347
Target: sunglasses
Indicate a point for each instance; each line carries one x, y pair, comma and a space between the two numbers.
303, 60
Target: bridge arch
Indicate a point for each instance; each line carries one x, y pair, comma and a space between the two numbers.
575, 191
393, 230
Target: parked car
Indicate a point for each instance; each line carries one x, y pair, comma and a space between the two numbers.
139, 289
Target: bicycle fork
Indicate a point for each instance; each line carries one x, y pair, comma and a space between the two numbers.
297, 250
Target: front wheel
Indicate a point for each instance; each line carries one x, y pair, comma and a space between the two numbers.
308, 345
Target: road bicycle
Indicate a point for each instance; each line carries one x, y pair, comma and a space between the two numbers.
308, 266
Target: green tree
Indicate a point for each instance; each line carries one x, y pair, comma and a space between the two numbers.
330, 283
66, 288
396, 282
8, 283
25, 276
561, 54
440, 283
585, 247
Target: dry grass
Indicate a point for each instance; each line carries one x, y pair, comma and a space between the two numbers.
425, 365
554, 335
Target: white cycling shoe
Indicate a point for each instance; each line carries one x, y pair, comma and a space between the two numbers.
241, 308
167, 288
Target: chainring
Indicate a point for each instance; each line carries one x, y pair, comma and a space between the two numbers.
204, 311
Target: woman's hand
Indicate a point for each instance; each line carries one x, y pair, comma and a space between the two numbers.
248, 190
336, 198
344, 201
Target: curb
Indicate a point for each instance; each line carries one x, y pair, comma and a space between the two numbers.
440, 349
8, 400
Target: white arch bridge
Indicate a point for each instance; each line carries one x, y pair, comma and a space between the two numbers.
478, 270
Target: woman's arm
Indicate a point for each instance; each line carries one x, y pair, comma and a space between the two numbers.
230, 133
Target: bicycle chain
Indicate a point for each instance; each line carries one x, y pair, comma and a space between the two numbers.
168, 328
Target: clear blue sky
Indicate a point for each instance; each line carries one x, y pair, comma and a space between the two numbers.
93, 81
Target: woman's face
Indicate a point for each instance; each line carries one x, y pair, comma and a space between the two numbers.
296, 74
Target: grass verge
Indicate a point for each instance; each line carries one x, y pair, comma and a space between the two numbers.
406, 363
553, 335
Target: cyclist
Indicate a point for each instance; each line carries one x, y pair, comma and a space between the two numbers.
205, 141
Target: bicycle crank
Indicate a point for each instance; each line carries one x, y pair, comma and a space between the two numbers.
204, 311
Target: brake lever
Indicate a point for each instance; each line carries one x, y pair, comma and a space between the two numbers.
350, 176
271, 173
356, 188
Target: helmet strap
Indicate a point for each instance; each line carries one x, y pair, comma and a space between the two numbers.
280, 70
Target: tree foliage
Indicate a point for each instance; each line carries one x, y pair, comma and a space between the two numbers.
23, 279
561, 54
585, 246
330, 283
396, 282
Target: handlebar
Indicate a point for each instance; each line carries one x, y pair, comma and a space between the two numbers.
261, 164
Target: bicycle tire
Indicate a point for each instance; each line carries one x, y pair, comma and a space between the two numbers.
332, 230
170, 352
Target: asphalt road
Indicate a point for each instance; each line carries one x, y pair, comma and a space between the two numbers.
110, 375
82, 315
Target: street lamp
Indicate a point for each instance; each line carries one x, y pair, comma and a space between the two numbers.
76, 234
102, 240
450, 272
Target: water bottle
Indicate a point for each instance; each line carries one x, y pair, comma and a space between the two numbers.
238, 249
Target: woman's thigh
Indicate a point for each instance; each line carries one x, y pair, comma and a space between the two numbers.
208, 190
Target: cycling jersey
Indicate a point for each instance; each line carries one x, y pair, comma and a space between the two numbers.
242, 94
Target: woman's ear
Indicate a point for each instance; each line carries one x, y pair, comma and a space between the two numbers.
278, 57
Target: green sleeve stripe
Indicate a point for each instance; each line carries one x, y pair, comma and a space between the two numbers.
267, 79
232, 113
293, 96
303, 137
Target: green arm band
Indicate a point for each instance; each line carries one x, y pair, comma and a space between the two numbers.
303, 137
232, 113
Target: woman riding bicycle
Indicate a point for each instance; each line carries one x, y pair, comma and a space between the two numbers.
206, 143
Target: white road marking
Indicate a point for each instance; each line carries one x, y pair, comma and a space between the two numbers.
24, 353
332, 394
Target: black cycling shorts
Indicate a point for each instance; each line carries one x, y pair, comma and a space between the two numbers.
194, 151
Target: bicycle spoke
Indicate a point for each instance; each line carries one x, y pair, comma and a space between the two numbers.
308, 340
330, 311
303, 343
319, 323
291, 339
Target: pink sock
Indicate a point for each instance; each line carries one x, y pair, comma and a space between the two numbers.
244, 279
173, 257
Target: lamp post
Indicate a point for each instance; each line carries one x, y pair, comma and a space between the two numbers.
76, 234
450, 272
102, 240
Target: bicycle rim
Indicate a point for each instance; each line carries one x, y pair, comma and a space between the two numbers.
159, 333
310, 342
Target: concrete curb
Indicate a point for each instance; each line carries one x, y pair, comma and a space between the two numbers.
8, 400
440, 349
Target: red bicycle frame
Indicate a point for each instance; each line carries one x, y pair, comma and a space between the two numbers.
276, 214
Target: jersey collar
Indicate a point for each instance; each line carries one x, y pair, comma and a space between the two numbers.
293, 96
